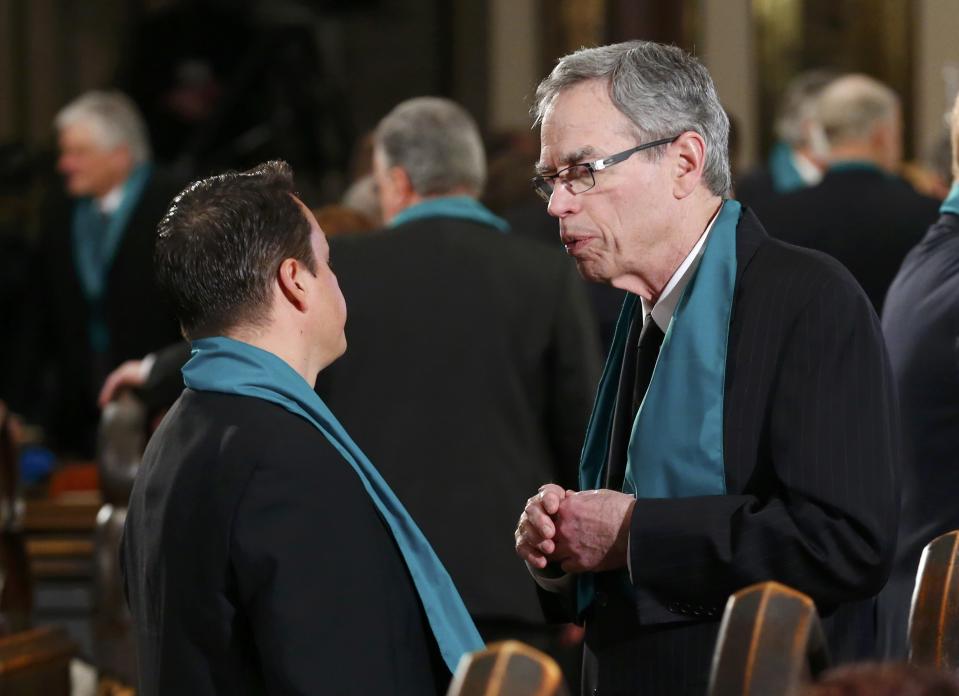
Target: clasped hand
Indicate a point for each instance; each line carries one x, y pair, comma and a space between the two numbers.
582, 531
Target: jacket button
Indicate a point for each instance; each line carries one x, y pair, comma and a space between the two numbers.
602, 599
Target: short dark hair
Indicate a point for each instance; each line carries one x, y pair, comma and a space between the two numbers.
221, 242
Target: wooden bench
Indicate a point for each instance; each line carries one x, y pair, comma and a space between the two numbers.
509, 668
770, 642
934, 614
36, 662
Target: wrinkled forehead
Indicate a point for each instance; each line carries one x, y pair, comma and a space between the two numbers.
581, 122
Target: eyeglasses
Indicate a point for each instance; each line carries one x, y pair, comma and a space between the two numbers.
578, 178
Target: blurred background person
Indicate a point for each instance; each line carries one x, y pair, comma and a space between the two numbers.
919, 321
796, 159
861, 213
93, 301
473, 358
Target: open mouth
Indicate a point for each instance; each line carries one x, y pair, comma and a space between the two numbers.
576, 244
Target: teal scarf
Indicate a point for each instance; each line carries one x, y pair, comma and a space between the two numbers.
951, 204
856, 166
782, 169
462, 207
230, 367
95, 241
676, 446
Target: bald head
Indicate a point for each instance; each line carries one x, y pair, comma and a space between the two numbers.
860, 118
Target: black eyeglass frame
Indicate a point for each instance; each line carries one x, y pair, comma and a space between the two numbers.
543, 184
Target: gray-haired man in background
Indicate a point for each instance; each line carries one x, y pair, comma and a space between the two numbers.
95, 303
473, 359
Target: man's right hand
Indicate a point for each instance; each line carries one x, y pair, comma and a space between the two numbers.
535, 530
129, 374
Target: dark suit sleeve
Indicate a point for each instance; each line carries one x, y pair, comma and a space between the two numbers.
165, 382
827, 526
309, 578
575, 365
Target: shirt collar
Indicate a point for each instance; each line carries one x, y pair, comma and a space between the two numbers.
109, 203
663, 310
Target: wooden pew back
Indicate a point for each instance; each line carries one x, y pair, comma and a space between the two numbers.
770, 641
509, 668
934, 614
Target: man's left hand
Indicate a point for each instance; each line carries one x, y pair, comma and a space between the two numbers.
592, 530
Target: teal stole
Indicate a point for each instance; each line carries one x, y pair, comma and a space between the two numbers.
951, 204
95, 241
856, 166
460, 207
231, 367
783, 171
675, 449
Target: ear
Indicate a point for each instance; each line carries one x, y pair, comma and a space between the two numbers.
688, 157
402, 185
293, 278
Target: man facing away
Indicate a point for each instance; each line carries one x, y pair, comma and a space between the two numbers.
861, 213
473, 358
262, 552
744, 429
920, 320
795, 158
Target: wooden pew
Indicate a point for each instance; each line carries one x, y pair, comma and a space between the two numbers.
770, 642
36, 662
509, 668
934, 614
121, 440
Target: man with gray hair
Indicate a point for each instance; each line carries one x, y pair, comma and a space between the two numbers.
745, 427
96, 303
473, 362
861, 213
795, 160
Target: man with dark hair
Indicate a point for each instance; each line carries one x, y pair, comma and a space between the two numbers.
262, 551
745, 427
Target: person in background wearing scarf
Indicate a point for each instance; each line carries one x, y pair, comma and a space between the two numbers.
919, 323
745, 427
796, 159
262, 551
93, 302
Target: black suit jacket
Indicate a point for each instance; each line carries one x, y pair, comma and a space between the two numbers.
254, 562
864, 218
756, 188
56, 336
810, 448
921, 324
471, 369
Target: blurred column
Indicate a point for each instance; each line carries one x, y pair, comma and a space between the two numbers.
727, 49
514, 50
936, 67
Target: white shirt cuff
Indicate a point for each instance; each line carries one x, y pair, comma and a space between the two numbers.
551, 583
146, 366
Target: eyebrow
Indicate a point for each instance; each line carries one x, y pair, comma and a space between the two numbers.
574, 157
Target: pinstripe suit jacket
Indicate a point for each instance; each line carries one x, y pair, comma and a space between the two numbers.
811, 438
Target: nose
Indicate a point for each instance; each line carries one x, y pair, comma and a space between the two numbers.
562, 202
